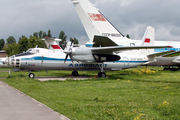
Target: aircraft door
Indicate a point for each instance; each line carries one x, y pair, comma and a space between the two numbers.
126, 61
42, 60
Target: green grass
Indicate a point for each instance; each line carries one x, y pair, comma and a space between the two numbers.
126, 95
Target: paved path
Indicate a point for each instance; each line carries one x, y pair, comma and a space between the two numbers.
14, 105
46, 78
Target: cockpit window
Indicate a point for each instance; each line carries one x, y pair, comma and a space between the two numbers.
32, 50
29, 50
37, 51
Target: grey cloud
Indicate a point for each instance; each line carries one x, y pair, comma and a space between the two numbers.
20, 17
142, 13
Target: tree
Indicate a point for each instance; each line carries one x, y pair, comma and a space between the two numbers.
11, 40
35, 34
30, 36
63, 37
49, 34
44, 34
2, 42
11, 49
40, 33
75, 40
23, 44
33, 41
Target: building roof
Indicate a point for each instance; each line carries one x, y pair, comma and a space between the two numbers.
2, 51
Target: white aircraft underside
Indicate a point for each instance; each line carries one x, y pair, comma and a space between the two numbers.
48, 61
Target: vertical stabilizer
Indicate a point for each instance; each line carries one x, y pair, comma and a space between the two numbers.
94, 22
148, 38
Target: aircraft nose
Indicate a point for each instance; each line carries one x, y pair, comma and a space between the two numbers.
14, 62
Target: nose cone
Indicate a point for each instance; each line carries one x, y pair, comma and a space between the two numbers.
13, 62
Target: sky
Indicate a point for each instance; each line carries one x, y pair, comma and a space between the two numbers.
20, 17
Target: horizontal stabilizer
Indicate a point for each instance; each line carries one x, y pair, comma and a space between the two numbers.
54, 39
51, 43
102, 41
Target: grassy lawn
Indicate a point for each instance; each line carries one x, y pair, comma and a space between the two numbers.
135, 93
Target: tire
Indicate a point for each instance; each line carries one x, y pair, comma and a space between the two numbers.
101, 74
31, 75
75, 73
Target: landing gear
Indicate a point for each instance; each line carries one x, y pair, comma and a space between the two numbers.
31, 75
102, 74
75, 73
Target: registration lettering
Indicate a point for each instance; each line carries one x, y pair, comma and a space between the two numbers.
111, 35
87, 65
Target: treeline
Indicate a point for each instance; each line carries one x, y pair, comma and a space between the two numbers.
13, 47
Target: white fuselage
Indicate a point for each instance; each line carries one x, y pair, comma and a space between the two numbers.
45, 59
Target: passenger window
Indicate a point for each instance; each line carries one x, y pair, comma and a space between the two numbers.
37, 51
132, 44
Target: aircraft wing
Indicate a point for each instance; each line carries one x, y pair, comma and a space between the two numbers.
166, 54
172, 54
119, 49
152, 57
161, 54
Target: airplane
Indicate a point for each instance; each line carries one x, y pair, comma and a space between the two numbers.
105, 55
102, 57
95, 23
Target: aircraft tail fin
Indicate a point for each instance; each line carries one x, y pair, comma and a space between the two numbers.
94, 22
148, 38
51, 43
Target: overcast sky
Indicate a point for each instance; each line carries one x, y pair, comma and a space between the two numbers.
24, 17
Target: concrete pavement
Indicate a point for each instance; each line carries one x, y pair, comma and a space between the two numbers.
14, 105
46, 78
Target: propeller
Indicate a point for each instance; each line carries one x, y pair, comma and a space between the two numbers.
68, 51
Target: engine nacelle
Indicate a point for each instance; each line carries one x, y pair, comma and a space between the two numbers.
84, 58
106, 57
85, 54
82, 54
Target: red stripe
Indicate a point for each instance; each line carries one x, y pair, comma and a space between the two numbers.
96, 17
55, 46
147, 40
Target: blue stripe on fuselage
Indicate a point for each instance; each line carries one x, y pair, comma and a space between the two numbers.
166, 49
56, 59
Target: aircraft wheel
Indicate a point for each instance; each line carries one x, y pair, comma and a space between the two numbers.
74, 73
101, 74
31, 75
